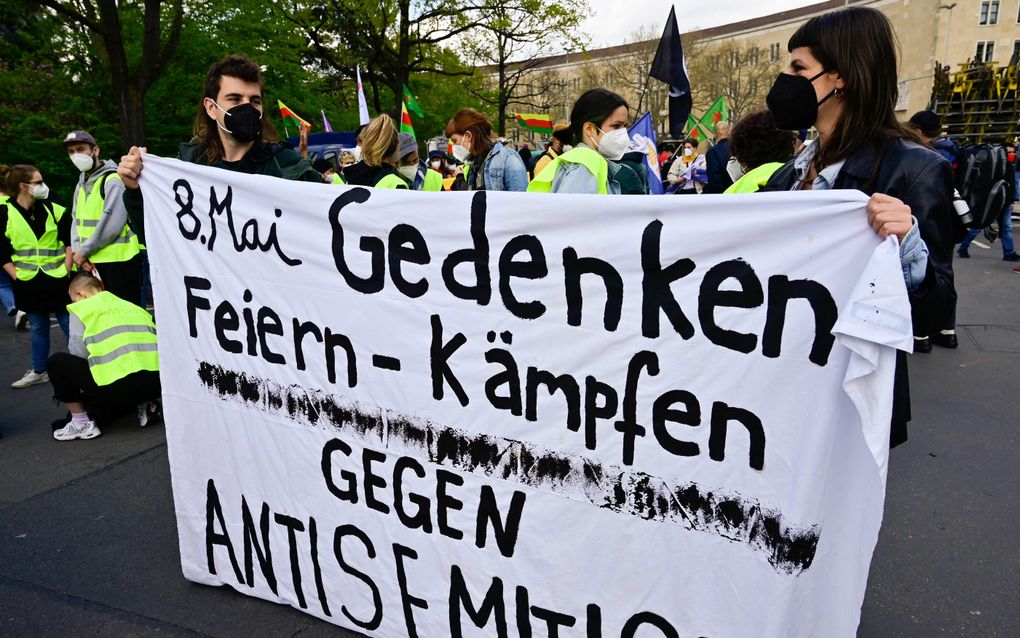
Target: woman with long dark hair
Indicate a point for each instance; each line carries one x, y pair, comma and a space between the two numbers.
598, 133
842, 80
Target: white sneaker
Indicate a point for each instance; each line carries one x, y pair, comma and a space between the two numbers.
20, 320
30, 379
71, 431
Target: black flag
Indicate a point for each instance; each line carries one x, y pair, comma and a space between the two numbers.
670, 67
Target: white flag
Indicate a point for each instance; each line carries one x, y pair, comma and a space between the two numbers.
362, 104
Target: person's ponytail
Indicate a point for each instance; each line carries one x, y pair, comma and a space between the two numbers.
15, 176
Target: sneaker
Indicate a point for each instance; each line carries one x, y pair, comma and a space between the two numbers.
1011, 257
20, 320
71, 431
962, 252
149, 413
30, 379
1017, 270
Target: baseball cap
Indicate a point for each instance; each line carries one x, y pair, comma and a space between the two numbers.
76, 137
405, 144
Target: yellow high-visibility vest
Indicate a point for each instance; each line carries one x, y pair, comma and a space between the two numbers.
32, 254
754, 180
391, 181
586, 157
433, 181
88, 212
120, 337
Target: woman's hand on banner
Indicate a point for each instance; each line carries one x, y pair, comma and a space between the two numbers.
889, 216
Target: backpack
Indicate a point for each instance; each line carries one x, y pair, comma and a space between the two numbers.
981, 181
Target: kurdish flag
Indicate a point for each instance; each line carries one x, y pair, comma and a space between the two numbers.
405, 121
716, 113
290, 117
694, 129
411, 103
535, 122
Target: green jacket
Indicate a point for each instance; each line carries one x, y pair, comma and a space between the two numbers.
631, 174
274, 159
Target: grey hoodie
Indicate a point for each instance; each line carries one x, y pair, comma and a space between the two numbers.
114, 214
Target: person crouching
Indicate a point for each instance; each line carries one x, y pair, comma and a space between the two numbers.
112, 360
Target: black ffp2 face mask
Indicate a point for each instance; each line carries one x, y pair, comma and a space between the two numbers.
792, 101
243, 122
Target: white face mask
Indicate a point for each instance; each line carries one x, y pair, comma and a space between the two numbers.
40, 191
461, 152
688, 152
356, 152
408, 172
437, 165
734, 169
82, 162
614, 144
567, 148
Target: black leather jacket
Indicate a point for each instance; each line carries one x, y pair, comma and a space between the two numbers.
923, 179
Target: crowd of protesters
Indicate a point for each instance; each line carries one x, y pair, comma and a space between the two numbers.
844, 92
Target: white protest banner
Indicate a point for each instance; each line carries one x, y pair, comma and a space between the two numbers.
511, 414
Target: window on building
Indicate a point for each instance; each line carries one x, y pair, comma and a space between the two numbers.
1016, 52
985, 51
989, 13
774, 52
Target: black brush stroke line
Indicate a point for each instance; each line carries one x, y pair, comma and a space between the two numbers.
386, 363
789, 550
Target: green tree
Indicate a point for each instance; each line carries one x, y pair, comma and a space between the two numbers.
45, 94
512, 38
392, 40
111, 30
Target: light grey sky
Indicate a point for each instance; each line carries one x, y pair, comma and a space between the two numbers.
613, 21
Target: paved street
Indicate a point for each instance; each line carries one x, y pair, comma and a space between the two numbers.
88, 544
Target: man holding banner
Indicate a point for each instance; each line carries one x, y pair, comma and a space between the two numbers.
231, 133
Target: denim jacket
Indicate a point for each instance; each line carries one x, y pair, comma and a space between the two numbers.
575, 178
504, 170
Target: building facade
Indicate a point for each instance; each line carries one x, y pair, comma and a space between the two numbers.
753, 51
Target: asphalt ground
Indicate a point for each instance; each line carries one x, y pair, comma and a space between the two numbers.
88, 543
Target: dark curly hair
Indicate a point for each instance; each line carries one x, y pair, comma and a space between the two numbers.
755, 140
